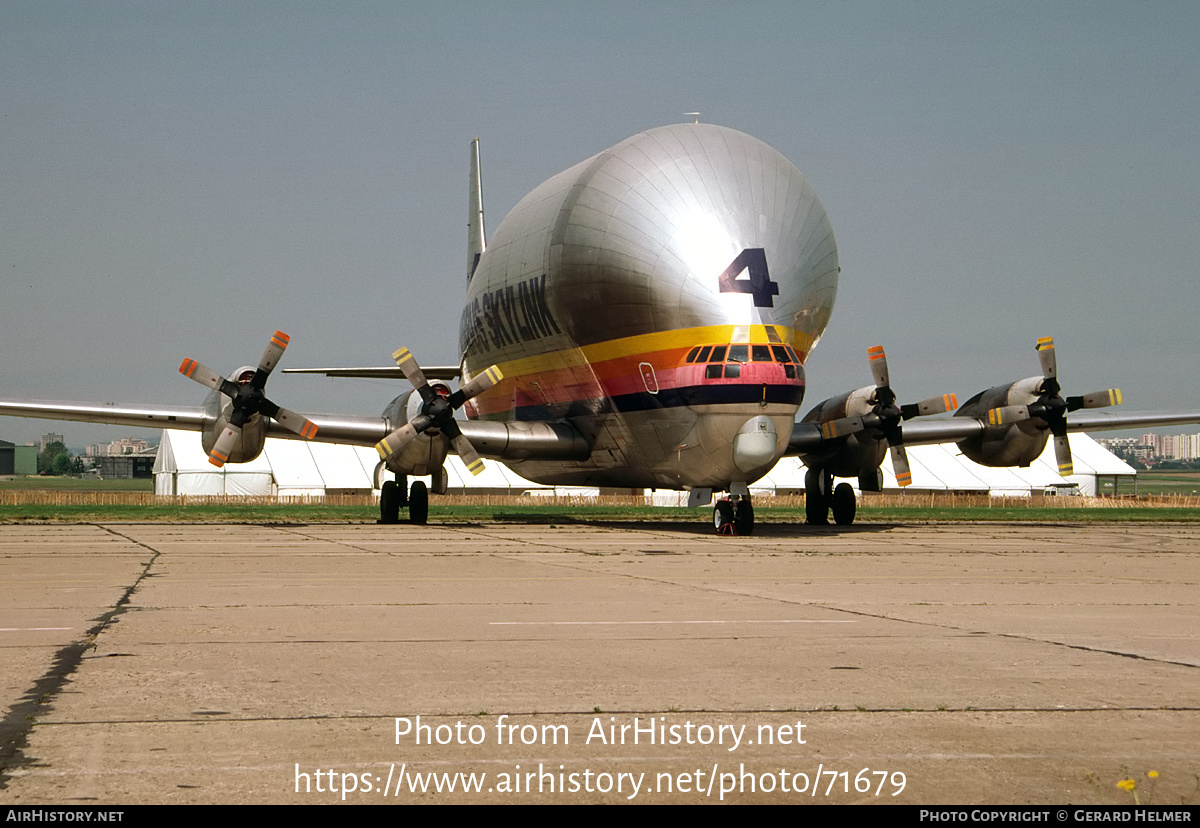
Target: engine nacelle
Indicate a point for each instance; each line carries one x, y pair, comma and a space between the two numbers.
857, 454
425, 453
219, 408
1011, 444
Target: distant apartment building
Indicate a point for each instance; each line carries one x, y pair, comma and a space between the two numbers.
119, 448
1179, 446
47, 439
1155, 446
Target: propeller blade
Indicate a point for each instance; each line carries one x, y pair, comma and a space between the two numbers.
413, 373
1062, 453
462, 445
1045, 349
478, 384
294, 422
900, 465
274, 350
1096, 399
933, 405
397, 440
206, 376
878, 360
221, 450
841, 428
1008, 414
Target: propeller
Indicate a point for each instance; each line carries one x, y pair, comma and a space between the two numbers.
886, 416
1051, 408
248, 399
437, 411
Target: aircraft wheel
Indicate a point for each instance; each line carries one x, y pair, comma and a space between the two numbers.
389, 502
723, 517
844, 504
816, 504
418, 503
743, 517
816, 510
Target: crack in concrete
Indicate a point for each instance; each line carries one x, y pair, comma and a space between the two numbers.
17, 724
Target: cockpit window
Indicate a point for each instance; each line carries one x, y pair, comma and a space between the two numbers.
760, 353
704, 354
718, 354
739, 353
781, 354
691, 357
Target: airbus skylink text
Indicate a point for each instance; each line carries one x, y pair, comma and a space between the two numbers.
637, 732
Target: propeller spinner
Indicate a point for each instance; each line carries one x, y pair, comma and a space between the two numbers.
437, 411
248, 399
1051, 408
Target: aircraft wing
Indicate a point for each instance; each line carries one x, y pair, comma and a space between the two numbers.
496, 440
807, 437
501, 441
440, 372
361, 431
145, 416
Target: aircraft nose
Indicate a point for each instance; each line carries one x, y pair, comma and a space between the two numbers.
754, 444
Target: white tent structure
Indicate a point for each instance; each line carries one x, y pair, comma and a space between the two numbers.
944, 468
294, 468
286, 468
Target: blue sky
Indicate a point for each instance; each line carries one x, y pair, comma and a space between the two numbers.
181, 179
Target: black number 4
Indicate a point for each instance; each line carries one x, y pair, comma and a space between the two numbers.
754, 260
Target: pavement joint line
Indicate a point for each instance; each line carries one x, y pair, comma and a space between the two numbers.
523, 541
1013, 636
509, 761
591, 714
22, 716
718, 621
291, 531
33, 629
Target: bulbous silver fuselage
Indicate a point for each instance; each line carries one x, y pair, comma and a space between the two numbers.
662, 297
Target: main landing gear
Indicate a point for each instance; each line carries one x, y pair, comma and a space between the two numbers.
819, 500
733, 515
392, 499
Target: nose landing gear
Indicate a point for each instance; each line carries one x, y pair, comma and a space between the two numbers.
733, 515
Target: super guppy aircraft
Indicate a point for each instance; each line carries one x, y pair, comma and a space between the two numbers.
643, 319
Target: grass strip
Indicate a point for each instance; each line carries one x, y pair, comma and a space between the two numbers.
317, 513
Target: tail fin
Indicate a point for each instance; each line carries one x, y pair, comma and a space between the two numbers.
476, 237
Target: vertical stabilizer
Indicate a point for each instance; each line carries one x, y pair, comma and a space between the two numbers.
476, 237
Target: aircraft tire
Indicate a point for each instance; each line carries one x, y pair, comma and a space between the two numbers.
816, 510
743, 517
816, 504
389, 502
722, 516
844, 504
418, 503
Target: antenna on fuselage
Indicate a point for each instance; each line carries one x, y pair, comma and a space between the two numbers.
696, 115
